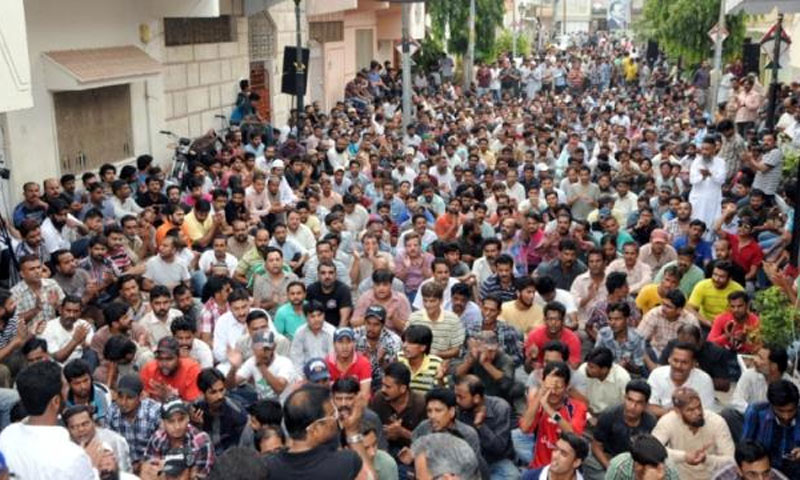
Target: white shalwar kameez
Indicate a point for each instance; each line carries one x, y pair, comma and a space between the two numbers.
706, 194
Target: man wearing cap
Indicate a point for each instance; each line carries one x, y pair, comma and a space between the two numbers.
658, 252
346, 362
316, 371
377, 343
134, 416
170, 376
178, 436
268, 371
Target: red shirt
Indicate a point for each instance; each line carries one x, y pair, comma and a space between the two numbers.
184, 380
725, 321
548, 432
360, 368
539, 337
745, 256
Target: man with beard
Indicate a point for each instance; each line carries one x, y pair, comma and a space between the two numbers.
97, 442
68, 337
483, 267
345, 393
707, 175
270, 372
400, 409
377, 343
774, 424
690, 274
395, 304
134, 416
222, 418
174, 216
178, 435
158, 321
589, 287
448, 223
169, 376
83, 390
131, 295
241, 241
165, 269
695, 238
723, 252
679, 226
564, 269
554, 329
325, 252
441, 276
185, 332
119, 321
490, 416
73, 280
698, 441
55, 232
681, 372
501, 283
36, 298
289, 316
332, 293
32, 206
312, 422
710, 296
42, 390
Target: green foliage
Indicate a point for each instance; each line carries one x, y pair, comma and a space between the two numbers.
431, 49
504, 44
488, 16
681, 28
791, 159
778, 316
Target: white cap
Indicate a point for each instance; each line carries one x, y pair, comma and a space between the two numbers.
278, 164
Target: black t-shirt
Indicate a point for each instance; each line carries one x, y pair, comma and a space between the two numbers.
615, 434
711, 358
338, 298
319, 463
412, 416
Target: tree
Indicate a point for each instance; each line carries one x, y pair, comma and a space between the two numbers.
504, 43
488, 16
681, 28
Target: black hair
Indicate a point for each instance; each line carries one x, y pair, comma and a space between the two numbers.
555, 307
778, 356
267, 412
238, 294
577, 443
208, 377
676, 297
125, 278
689, 347
647, 450
118, 347
37, 384
462, 289
444, 395
399, 372
474, 384
557, 346
419, 335
603, 357
183, 324
76, 368
560, 369
303, 407
346, 385
238, 463
255, 315
312, 306
622, 307
782, 393
504, 259
382, 275
159, 291
749, 451
639, 385
34, 343
74, 410
615, 280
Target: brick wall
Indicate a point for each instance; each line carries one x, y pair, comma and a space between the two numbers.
201, 81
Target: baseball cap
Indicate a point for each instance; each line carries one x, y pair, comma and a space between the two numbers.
376, 311
168, 345
265, 339
177, 461
408, 151
278, 164
175, 406
130, 384
316, 370
343, 332
659, 236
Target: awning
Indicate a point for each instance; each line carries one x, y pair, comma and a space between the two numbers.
760, 7
96, 67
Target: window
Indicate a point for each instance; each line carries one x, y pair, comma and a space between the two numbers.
189, 31
325, 32
93, 127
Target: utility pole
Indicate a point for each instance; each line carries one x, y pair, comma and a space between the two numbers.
564, 17
406, 65
514, 30
715, 82
300, 72
469, 63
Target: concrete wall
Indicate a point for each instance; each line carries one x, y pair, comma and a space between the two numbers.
15, 72
201, 81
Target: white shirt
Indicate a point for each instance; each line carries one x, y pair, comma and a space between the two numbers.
482, 270
446, 298
52, 238
280, 367
156, 328
563, 297
44, 453
202, 353
662, 387
57, 337
356, 221
208, 258
751, 388
303, 236
118, 444
226, 332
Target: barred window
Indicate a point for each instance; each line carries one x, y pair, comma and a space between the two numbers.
190, 31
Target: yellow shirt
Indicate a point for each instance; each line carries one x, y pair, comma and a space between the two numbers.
648, 298
522, 320
709, 300
194, 228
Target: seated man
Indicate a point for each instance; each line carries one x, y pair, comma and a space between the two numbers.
427, 370
83, 390
710, 296
569, 453
617, 425
485, 359
217, 414
134, 416
554, 329
551, 411
710, 358
661, 324
732, 329
698, 440
752, 461
646, 458
625, 343
618, 291
185, 332
169, 376
271, 373
680, 372
776, 426
448, 332
399, 408
441, 455
177, 433
605, 380
490, 416
651, 295
92, 438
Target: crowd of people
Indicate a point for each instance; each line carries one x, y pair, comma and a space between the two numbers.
547, 276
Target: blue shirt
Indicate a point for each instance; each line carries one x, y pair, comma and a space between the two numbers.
760, 425
24, 212
702, 252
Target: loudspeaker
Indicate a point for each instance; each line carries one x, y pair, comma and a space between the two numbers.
751, 56
652, 51
289, 82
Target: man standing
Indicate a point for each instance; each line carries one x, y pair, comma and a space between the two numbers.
707, 175
490, 416
698, 441
768, 168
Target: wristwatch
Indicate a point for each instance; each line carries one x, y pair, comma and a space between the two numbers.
357, 438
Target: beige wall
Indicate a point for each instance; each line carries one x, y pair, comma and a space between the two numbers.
15, 71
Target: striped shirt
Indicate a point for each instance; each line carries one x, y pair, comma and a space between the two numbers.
448, 331
424, 379
492, 287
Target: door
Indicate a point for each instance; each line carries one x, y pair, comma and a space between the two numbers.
364, 48
259, 83
316, 74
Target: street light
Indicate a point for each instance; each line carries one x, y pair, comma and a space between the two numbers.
406, 4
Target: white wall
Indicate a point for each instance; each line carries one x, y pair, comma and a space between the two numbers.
15, 72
